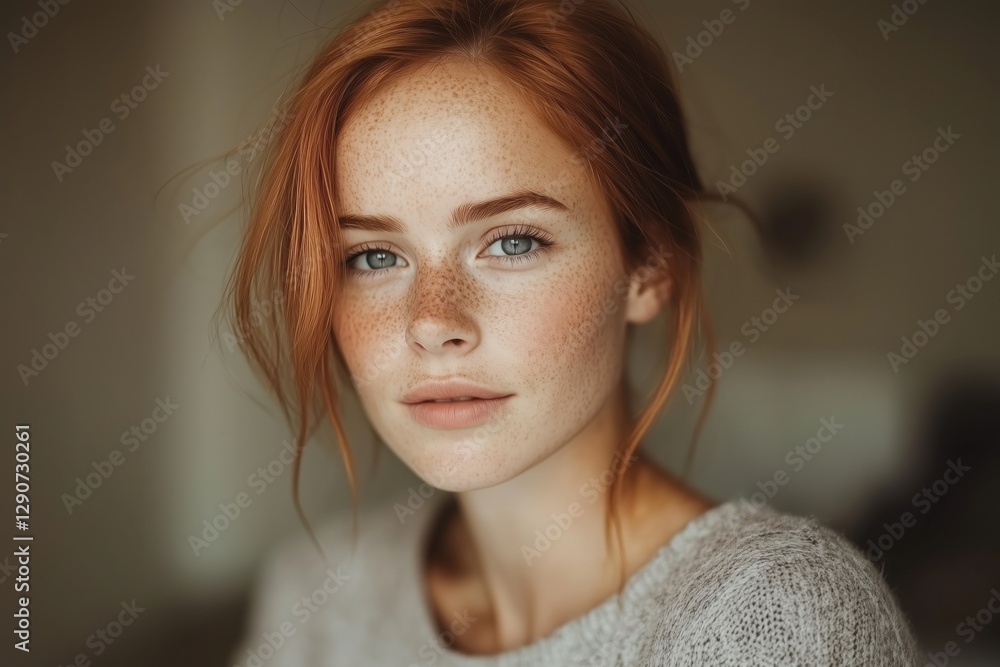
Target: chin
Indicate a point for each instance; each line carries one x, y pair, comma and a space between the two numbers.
462, 464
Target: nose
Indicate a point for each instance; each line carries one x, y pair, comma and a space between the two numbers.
441, 318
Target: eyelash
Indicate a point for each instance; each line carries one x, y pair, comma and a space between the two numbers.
544, 241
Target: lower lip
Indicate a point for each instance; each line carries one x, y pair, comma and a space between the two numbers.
456, 414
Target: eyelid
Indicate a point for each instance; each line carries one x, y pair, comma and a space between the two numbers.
368, 246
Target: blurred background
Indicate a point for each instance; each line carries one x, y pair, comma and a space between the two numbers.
868, 317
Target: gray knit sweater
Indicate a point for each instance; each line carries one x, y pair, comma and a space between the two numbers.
736, 586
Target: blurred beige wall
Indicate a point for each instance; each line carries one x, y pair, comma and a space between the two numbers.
826, 356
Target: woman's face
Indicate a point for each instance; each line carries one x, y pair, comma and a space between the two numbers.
531, 302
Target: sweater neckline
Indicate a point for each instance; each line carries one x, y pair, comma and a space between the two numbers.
596, 624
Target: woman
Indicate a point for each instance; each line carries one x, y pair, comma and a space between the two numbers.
474, 205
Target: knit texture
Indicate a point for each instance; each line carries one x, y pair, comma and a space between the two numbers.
736, 586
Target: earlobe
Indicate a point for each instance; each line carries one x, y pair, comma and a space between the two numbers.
647, 297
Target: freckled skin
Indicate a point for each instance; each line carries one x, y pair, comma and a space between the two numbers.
539, 329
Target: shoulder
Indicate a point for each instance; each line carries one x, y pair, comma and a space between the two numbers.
764, 587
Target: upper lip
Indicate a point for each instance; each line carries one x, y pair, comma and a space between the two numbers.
436, 389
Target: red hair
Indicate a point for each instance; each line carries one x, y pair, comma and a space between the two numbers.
580, 66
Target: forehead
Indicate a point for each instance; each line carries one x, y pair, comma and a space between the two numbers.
447, 134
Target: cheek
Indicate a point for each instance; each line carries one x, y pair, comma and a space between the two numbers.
366, 329
595, 334
572, 335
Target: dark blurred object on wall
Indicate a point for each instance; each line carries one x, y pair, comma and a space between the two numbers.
798, 221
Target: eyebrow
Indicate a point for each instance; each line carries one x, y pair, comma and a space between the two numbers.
463, 215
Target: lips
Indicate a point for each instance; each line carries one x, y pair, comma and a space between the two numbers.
445, 414
454, 403
453, 390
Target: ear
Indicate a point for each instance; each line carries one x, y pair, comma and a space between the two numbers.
648, 294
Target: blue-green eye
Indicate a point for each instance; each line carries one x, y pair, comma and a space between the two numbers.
512, 245
378, 258
372, 258
517, 244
